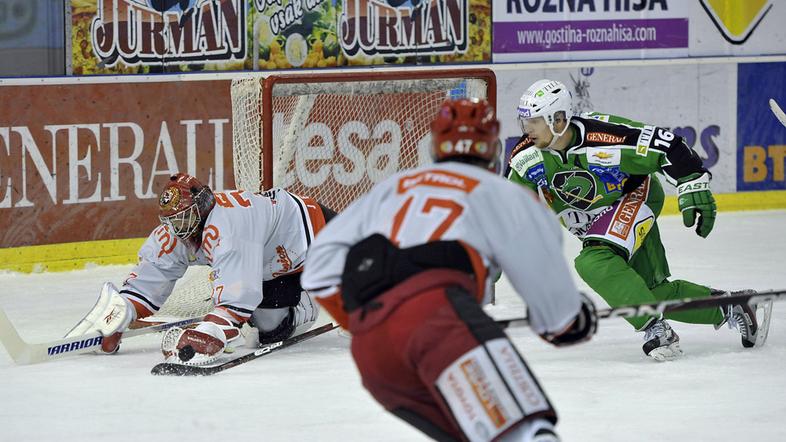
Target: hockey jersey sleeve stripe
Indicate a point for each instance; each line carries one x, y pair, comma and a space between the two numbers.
315, 215
303, 216
134, 296
238, 314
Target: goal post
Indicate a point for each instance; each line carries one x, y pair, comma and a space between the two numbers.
333, 136
330, 137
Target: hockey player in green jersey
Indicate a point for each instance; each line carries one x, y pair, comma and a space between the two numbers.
597, 172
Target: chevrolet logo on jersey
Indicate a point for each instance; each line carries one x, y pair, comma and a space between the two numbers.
737, 19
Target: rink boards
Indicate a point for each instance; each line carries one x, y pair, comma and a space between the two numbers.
86, 167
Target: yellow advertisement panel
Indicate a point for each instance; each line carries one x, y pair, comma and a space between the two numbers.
143, 36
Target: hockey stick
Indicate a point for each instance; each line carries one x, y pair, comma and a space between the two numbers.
170, 369
675, 305
778, 111
24, 353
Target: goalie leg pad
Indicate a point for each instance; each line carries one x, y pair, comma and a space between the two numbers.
278, 324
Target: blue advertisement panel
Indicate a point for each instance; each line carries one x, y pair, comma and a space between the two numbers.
761, 138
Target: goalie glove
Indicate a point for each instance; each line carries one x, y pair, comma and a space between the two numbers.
581, 329
110, 316
202, 344
696, 202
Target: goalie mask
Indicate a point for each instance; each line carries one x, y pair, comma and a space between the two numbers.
184, 205
466, 129
545, 103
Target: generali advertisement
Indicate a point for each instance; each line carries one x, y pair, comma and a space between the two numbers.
80, 162
552, 30
142, 36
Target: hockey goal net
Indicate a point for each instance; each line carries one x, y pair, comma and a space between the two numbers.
330, 137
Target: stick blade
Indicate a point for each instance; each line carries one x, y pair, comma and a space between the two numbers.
170, 369
13, 343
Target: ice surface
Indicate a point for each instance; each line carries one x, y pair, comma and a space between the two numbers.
605, 390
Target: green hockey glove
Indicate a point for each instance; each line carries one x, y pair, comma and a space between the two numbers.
696, 202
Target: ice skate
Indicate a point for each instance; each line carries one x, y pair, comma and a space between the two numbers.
752, 320
662, 343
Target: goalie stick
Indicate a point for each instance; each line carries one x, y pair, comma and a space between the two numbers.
674, 305
24, 353
170, 369
778, 111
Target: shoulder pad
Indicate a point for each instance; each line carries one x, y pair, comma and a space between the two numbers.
523, 143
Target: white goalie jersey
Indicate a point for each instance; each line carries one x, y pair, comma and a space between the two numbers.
503, 222
248, 238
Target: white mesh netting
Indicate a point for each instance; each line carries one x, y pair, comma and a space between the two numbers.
331, 141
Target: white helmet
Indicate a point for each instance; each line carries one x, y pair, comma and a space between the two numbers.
547, 99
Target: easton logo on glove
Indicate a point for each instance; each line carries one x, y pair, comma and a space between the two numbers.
696, 202
693, 186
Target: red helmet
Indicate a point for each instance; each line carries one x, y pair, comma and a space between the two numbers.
466, 128
184, 205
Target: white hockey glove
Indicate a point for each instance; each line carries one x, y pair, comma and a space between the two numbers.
110, 316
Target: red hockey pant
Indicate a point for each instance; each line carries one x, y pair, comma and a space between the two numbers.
409, 336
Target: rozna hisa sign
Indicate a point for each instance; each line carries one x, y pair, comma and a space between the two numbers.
526, 30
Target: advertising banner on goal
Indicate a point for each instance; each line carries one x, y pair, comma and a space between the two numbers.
81, 162
143, 36
761, 138
698, 107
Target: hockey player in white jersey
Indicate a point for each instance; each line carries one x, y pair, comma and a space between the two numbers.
406, 268
255, 243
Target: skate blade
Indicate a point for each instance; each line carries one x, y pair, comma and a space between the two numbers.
662, 354
765, 310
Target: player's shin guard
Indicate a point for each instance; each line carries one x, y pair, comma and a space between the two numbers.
490, 391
